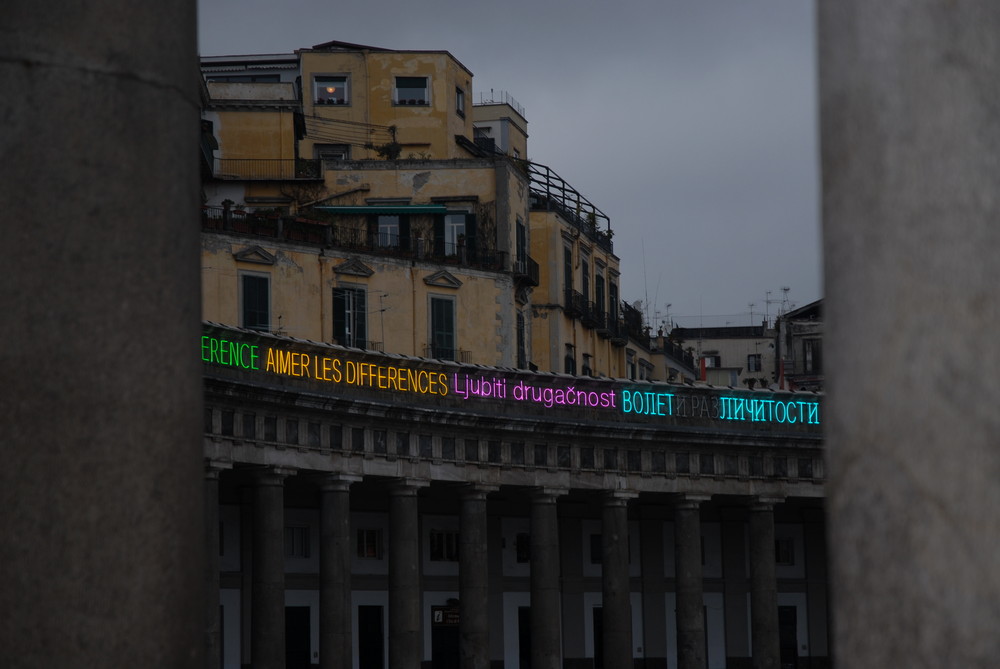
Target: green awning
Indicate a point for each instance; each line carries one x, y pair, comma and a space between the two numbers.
388, 210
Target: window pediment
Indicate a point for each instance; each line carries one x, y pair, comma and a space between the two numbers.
255, 254
443, 279
354, 267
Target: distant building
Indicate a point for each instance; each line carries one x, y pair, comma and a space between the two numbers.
800, 347
738, 356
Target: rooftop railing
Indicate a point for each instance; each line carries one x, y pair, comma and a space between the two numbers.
267, 169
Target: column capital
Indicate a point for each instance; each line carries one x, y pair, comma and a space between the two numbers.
547, 495
618, 497
337, 482
765, 502
407, 487
689, 500
477, 491
271, 475
215, 467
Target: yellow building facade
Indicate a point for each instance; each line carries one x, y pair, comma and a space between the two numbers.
355, 195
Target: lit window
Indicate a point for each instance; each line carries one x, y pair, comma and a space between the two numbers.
296, 541
330, 90
370, 544
412, 91
255, 300
443, 546
753, 362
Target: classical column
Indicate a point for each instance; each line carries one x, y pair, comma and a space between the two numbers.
687, 567
404, 575
335, 641
267, 642
615, 601
213, 649
101, 398
546, 640
910, 135
473, 580
763, 586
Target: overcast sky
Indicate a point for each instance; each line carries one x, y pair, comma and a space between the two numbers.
691, 123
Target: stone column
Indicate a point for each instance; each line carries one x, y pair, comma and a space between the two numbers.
763, 586
267, 642
335, 640
213, 649
474, 580
101, 399
690, 600
404, 575
546, 640
910, 135
617, 628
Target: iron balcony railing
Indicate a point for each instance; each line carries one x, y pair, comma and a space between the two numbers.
267, 169
573, 303
332, 235
526, 270
550, 192
364, 344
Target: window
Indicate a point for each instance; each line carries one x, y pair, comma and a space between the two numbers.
332, 151
522, 547
296, 541
585, 277
255, 298
443, 546
568, 267
350, 317
812, 357
452, 233
329, 90
588, 369
521, 245
522, 353
390, 232
443, 328
753, 362
599, 295
370, 544
460, 102
784, 552
411, 91
613, 301
630, 366
569, 365
596, 552
712, 360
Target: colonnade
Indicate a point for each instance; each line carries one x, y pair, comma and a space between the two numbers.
267, 646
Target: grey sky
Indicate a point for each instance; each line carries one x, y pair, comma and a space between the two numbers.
691, 123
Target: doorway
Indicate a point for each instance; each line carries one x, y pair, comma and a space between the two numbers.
788, 636
371, 638
297, 637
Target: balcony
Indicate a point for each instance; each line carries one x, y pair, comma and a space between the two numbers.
267, 169
363, 344
573, 303
549, 192
356, 238
590, 316
526, 271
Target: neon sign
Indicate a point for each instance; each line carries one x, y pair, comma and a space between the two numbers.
493, 387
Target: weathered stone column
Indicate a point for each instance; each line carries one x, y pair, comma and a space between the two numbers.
617, 627
404, 575
911, 152
764, 639
687, 565
546, 639
335, 641
213, 649
474, 580
267, 626
102, 479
